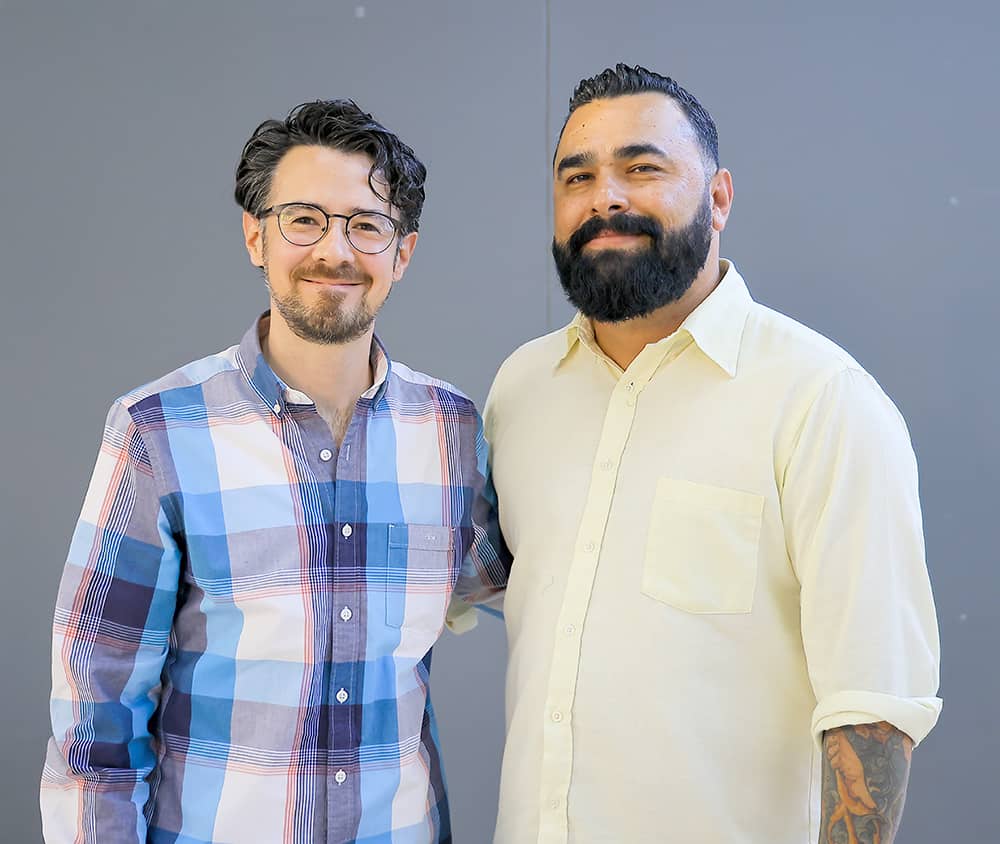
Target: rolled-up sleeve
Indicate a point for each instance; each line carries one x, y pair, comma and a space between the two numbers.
852, 520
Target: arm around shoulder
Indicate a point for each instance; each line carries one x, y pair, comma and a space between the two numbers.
486, 565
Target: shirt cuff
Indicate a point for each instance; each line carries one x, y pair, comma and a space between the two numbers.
461, 617
915, 716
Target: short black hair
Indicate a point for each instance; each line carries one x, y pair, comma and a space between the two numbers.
341, 125
624, 79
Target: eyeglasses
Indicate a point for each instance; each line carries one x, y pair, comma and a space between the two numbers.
303, 224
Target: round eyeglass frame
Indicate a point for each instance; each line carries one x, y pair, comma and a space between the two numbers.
277, 209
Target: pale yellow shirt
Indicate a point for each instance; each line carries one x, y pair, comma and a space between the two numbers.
718, 555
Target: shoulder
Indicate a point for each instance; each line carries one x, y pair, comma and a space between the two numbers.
182, 386
530, 358
772, 337
411, 385
816, 382
797, 365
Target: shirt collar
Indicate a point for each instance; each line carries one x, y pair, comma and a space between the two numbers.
274, 392
716, 325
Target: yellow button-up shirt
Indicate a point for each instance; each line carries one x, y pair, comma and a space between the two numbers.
718, 556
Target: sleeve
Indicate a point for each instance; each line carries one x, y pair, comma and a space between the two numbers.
110, 637
853, 529
486, 566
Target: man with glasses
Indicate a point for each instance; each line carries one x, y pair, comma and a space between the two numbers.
270, 541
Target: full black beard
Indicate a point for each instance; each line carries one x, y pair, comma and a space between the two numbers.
614, 285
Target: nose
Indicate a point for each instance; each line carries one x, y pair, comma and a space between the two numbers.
610, 196
334, 247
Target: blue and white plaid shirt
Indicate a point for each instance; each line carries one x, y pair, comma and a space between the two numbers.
242, 639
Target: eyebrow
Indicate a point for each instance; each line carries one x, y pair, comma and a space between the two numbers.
580, 159
636, 150
355, 210
583, 159
358, 210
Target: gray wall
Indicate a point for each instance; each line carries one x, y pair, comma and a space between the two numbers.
862, 145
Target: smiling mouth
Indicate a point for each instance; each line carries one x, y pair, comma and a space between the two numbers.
332, 282
612, 239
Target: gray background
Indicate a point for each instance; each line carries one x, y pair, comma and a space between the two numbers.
862, 142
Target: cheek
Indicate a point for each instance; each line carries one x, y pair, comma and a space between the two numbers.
679, 199
379, 267
671, 206
568, 214
280, 263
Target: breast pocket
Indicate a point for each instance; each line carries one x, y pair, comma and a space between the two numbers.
701, 551
419, 576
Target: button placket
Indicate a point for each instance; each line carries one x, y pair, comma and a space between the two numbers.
557, 733
346, 552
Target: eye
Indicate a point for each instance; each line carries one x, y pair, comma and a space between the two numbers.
576, 178
645, 168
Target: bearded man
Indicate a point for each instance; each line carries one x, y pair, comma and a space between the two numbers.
719, 617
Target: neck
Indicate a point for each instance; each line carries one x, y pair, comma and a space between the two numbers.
623, 341
333, 375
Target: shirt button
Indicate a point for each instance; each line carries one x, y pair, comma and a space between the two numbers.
570, 629
554, 804
346, 614
347, 530
340, 776
342, 696
277, 407
630, 386
325, 455
607, 464
557, 716
589, 547
630, 401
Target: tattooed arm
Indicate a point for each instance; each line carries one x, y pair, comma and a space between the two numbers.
865, 770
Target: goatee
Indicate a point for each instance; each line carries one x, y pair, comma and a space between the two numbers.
327, 321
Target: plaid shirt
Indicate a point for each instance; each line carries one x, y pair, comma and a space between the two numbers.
241, 647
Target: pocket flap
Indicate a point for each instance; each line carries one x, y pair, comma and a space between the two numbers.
694, 496
422, 537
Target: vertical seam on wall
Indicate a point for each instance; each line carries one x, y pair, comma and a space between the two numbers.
547, 122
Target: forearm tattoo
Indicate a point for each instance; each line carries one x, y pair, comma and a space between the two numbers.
865, 770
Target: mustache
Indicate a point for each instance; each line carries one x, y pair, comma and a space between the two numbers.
341, 272
618, 224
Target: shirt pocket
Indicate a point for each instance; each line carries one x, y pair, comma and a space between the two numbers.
701, 551
419, 577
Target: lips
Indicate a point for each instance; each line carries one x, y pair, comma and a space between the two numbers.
610, 238
339, 275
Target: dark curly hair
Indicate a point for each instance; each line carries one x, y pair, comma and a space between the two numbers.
341, 125
623, 79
